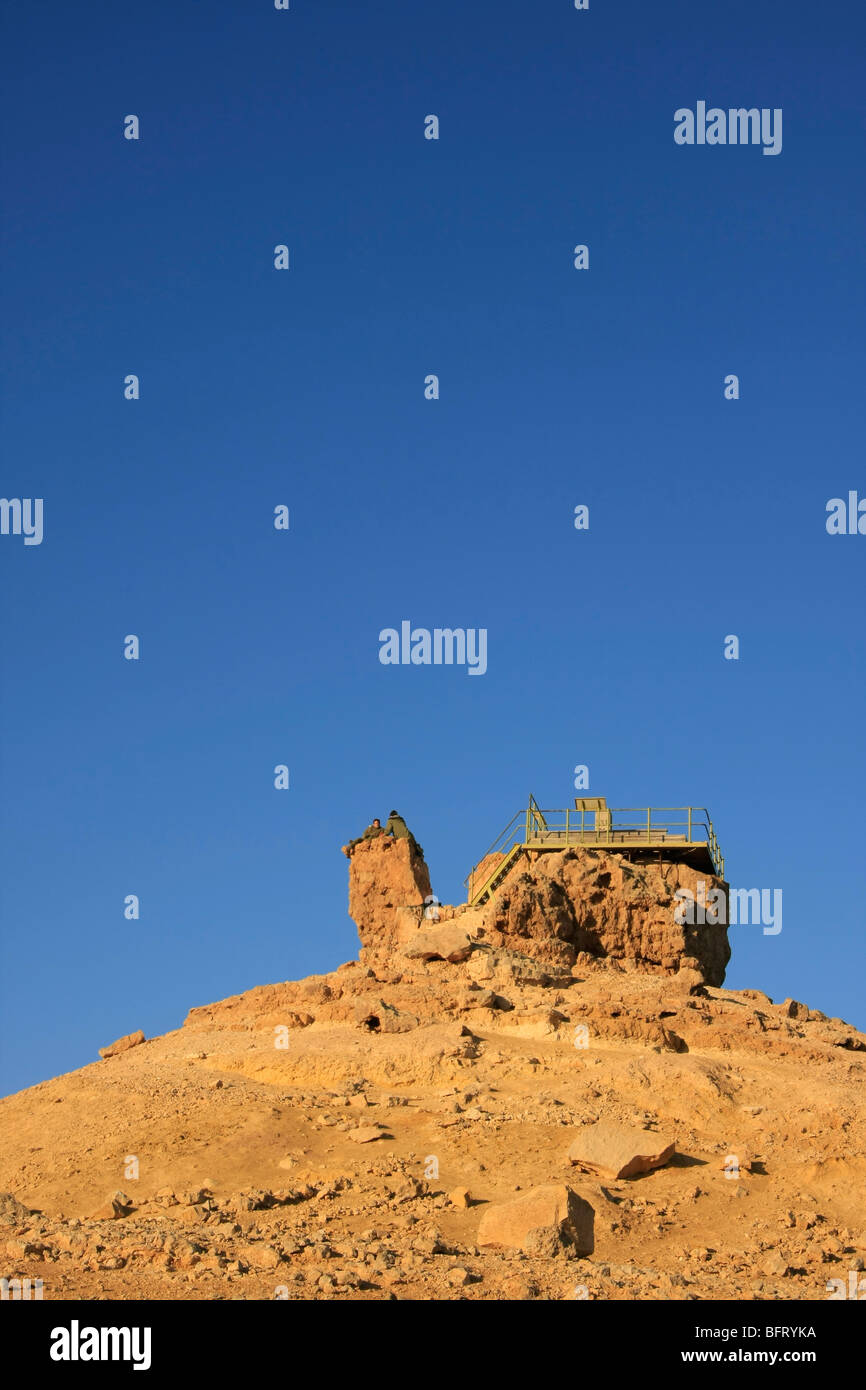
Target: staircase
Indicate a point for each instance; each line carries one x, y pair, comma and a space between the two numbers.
494, 879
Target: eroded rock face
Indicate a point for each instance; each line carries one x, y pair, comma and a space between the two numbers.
555, 905
388, 883
552, 907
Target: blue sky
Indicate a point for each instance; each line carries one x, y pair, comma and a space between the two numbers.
306, 388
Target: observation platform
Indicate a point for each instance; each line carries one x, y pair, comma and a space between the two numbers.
682, 834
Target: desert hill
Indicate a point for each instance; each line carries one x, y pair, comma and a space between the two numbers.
550, 1096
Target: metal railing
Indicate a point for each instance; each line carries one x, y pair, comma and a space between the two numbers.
642, 827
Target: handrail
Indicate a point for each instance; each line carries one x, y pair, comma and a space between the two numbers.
495, 845
535, 814
652, 826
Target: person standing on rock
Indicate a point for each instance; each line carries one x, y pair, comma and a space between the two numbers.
373, 830
399, 830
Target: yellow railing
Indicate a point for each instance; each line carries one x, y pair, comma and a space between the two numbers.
644, 827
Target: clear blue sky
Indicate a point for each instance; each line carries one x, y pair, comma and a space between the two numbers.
306, 387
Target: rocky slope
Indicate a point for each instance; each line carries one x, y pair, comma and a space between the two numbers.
508, 1103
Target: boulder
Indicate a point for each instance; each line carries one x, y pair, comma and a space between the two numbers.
618, 1151
687, 980
792, 1008
258, 1256
115, 1206
541, 1220
447, 942
299, 1019
122, 1045
12, 1212
365, 1134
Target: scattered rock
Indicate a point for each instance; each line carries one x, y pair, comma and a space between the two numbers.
365, 1134
618, 1151
258, 1256
556, 1211
192, 1196
736, 1159
12, 1212
115, 1206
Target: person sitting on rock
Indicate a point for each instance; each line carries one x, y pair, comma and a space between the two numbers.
373, 830
399, 830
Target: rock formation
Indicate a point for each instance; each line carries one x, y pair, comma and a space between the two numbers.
389, 884
543, 1094
555, 905
552, 906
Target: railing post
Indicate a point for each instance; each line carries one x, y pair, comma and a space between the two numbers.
649, 811
566, 826
526, 836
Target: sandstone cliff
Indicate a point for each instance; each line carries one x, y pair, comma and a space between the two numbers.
554, 906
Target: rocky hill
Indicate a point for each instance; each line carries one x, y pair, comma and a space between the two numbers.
550, 1096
